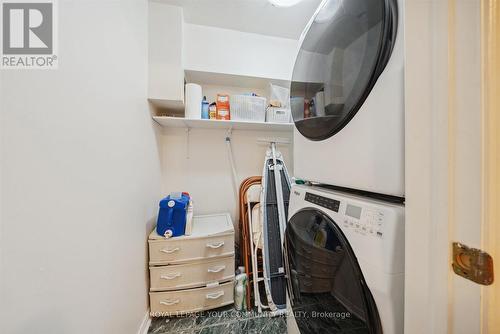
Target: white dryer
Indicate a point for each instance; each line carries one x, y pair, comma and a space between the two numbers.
347, 97
345, 258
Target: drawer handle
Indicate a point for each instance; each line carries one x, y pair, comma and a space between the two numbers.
170, 302
215, 295
216, 269
170, 276
216, 245
169, 251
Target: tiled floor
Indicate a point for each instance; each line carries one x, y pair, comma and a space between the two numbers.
333, 318
320, 313
220, 321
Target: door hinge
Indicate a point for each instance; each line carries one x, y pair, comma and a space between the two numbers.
472, 264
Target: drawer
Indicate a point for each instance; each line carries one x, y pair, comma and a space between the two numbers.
172, 251
190, 300
183, 276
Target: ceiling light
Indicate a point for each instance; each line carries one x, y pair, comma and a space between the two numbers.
284, 3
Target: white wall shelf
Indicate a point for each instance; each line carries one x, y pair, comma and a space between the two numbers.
179, 122
231, 80
172, 105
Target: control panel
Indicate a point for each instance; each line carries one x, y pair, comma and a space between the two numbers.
365, 221
325, 202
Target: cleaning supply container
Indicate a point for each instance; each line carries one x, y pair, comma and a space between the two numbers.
204, 108
248, 108
240, 292
172, 217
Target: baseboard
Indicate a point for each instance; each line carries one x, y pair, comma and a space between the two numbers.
146, 322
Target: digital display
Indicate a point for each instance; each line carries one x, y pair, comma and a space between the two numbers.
353, 211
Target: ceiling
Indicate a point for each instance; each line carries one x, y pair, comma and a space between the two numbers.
255, 16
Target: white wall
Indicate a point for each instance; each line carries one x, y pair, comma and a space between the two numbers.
206, 174
200, 165
1, 192
229, 51
211, 91
80, 178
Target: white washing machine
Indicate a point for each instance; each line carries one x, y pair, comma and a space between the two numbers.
345, 263
347, 97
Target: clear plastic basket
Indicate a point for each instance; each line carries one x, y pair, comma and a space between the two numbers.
278, 115
248, 108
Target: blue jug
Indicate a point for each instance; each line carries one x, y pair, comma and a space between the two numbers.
172, 216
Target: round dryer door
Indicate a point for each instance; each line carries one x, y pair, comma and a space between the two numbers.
327, 291
344, 51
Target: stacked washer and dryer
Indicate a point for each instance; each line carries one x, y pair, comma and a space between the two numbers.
345, 232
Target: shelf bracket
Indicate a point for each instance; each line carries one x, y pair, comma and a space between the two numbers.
229, 134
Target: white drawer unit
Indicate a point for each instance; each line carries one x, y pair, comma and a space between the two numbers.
191, 300
190, 275
193, 273
183, 250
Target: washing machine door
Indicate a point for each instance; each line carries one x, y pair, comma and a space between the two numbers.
327, 290
343, 52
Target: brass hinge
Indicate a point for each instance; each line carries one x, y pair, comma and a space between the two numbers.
473, 264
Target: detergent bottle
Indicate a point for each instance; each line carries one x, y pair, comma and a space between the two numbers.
240, 292
173, 215
204, 108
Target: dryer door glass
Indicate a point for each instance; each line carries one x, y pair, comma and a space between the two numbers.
327, 290
341, 57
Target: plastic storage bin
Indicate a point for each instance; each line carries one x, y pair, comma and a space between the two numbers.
278, 115
248, 108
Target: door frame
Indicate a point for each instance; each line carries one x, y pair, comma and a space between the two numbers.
434, 45
490, 49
